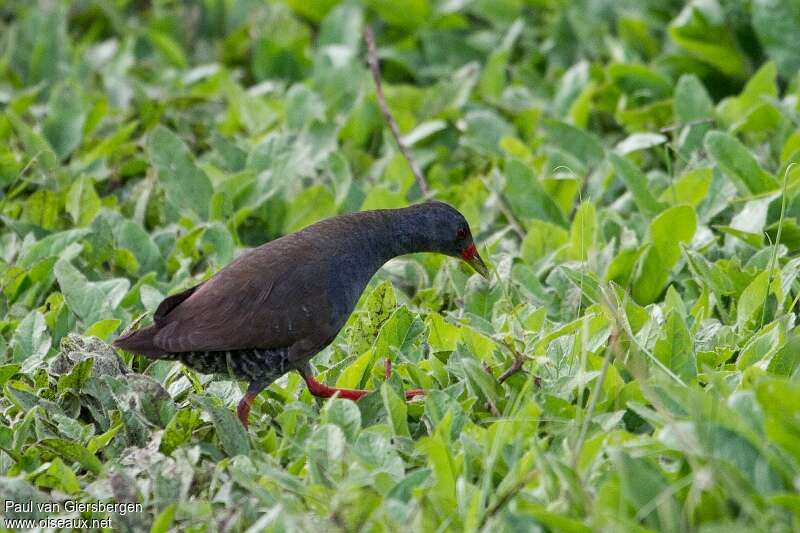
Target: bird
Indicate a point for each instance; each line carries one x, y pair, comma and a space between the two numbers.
274, 307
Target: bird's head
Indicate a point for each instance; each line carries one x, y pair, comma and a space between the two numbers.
449, 234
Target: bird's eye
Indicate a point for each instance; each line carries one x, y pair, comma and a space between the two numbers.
462, 232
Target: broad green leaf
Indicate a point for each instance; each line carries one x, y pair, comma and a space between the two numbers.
637, 184
752, 299
311, 205
583, 145
326, 448
694, 111
186, 185
65, 119
753, 111
738, 164
644, 487
667, 231
82, 202
675, 349
493, 77
396, 409
229, 430
345, 414
31, 339
692, 101
408, 15
72, 452
442, 336
527, 196
700, 29
90, 301
691, 188
103, 329
775, 22
179, 429
761, 348
640, 80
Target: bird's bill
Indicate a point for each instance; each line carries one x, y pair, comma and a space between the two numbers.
474, 260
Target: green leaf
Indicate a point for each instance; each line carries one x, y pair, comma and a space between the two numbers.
645, 488
163, 522
442, 336
694, 110
408, 15
65, 119
752, 299
82, 202
7, 372
753, 110
345, 414
691, 188
312, 205
230, 432
91, 301
640, 80
102, 329
637, 184
72, 452
527, 196
185, 184
738, 164
326, 448
38, 150
761, 347
692, 101
31, 339
398, 333
493, 77
377, 309
313, 9
776, 22
667, 231
396, 409
700, 29
179, 429
582, 144
170, 48
77, 377
675, 349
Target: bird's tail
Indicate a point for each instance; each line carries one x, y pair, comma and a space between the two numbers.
141, 341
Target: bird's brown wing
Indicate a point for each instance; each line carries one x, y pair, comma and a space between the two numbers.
271, 297
171, 302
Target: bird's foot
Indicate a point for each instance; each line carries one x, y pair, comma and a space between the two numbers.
320, 390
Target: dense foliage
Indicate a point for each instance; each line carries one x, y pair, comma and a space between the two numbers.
627, 167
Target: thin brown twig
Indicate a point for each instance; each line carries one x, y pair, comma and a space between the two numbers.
374, 66
516, 366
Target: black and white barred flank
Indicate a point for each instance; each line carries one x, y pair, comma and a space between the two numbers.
254, 365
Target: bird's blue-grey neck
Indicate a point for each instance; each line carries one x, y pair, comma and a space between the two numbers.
409, 231
378, 236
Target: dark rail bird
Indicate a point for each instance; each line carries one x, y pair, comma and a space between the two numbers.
276, 306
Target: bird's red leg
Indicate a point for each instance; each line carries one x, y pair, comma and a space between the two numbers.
387, 365
321, 390
243, 409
